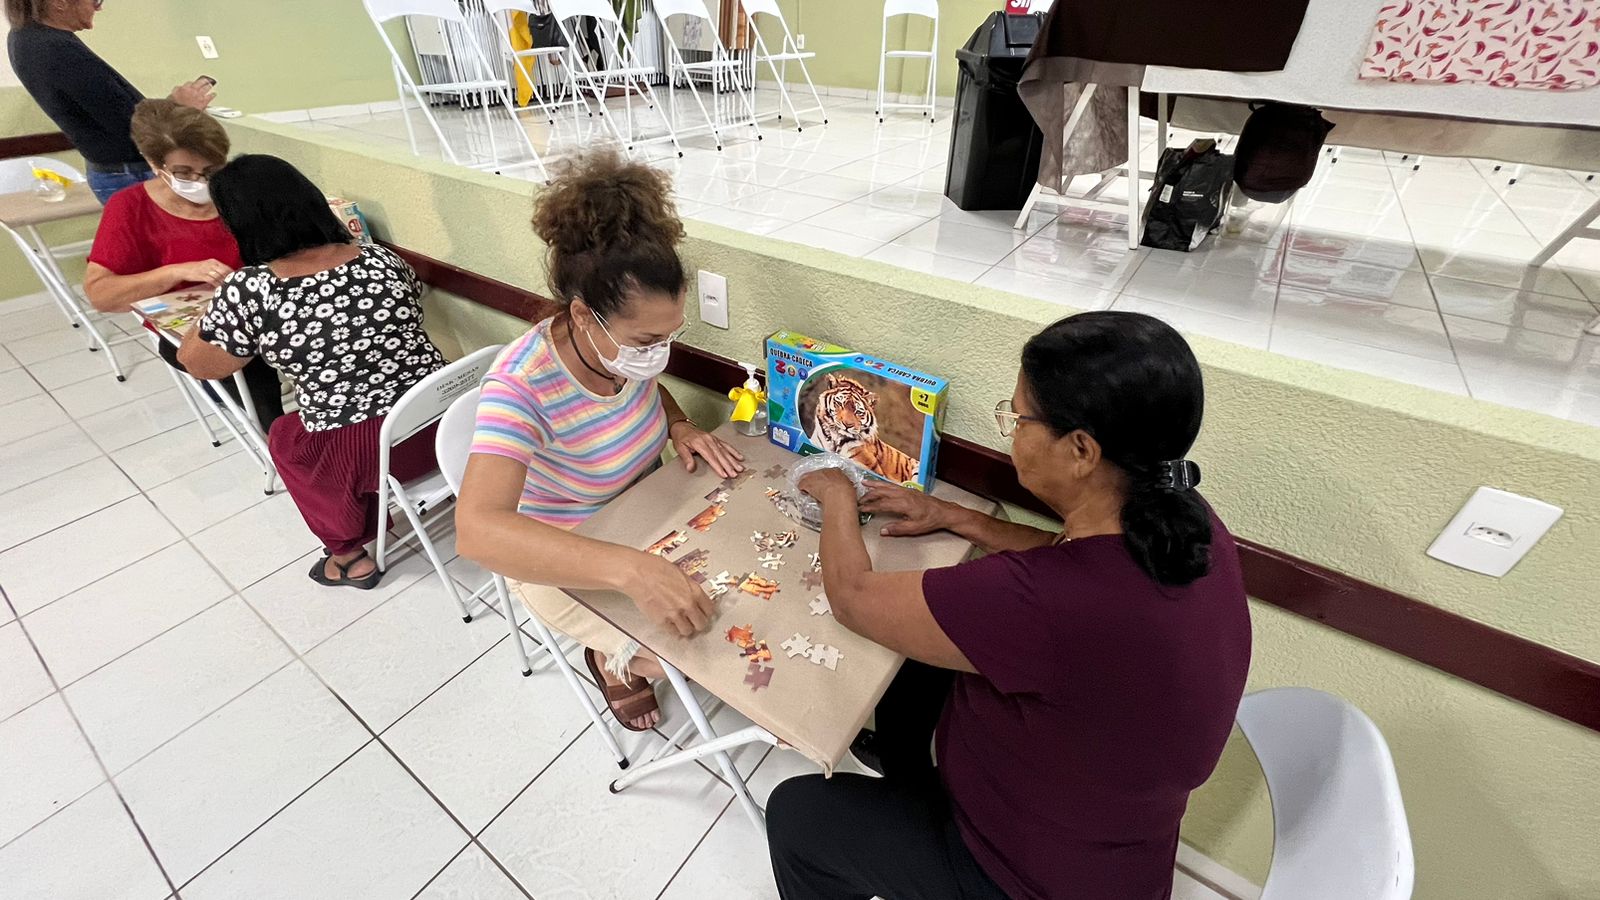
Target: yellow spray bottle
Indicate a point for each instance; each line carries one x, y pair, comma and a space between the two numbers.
749, 404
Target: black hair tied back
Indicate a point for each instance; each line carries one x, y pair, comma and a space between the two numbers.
1131, 382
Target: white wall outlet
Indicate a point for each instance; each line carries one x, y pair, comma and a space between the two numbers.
208, 49
800, 41
713, 299
1494, 531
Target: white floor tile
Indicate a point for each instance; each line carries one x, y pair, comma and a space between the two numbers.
172, 454
210, 494
368, 830
910, 200
1228, 256
1356, 279
931, 263
16, 324
85, 398
838, 242
61, 371
55, 500
1092, 264
7, 361
1189, 320
46, 453
488, 733
1374, 251
834, 187
567, 835
17, 384
393, 657
1404, 329
1069, 294
149, 695
732, 861
88, 851
1557, 362
1236, 296
1186, 888
781, 204
961, 242
306, 613
257, 542
23, 681
139, 419
864, 220
57, 342
1510, 306
30, 416
44, 766
471, 876
742, 221
1505, 272
1429, 373
36, 572
96, 624
208, 788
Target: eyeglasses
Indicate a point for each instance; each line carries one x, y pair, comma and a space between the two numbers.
672, 338
1006, 418
185, 174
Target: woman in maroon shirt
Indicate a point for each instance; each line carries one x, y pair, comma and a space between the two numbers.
1077, 686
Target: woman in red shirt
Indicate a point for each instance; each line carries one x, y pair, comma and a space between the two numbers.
1077, 686
164, 235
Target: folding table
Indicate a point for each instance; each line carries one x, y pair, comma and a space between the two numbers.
804, 706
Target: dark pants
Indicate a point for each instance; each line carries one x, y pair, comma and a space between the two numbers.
853, 836
266, 392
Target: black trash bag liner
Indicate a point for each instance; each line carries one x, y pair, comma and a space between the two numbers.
1189, 198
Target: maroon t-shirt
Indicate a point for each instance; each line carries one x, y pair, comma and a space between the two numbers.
1103, 698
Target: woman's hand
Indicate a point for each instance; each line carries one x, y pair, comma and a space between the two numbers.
206, 271
197, 93
829, 486
914, 512
668, 597
690, 442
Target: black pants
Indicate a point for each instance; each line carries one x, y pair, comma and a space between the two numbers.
266, 392
853, 836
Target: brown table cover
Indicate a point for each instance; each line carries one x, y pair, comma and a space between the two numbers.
815, 710
25, 208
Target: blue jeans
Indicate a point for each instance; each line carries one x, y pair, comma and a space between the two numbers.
105, 181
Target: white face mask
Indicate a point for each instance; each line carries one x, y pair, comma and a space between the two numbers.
633, 363
196, 192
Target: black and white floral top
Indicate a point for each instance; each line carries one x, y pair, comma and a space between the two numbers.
350, 337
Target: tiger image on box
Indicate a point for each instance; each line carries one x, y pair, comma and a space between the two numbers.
826, 398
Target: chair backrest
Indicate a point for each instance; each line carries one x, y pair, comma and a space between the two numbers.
500, 6
595, 9
927, 8
429, 398
16, 175
387, 10
452, 443
666, 9
1338, 823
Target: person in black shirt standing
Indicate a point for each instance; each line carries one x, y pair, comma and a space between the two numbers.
87, 99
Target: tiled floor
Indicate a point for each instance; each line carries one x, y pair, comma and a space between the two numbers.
1417, 276
184, 713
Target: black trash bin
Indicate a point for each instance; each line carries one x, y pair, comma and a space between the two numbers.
994, 144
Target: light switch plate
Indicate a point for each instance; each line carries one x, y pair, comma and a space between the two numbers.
1494, 531
713, 299
208, 49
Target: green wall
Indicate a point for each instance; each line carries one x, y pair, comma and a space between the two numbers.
846, 36
1350, 471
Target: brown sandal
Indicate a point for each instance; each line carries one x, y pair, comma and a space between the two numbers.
632, 700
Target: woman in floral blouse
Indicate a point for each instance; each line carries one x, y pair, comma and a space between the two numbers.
344, 322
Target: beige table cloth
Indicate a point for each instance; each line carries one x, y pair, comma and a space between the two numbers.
26, 208
815, 710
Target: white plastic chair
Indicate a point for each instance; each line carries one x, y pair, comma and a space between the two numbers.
554, 58
928, 9
620, 67
778, 63
418, 408
719, 69
1338, 823
452, 446
481, 80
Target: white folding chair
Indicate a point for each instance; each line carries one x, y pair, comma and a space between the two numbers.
619, 66
1338, 823
238, 417
928, 9
416, 409
778, 63
720, 70
544, 59
472, 74
452, 446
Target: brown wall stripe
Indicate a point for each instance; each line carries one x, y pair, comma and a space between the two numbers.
34, 144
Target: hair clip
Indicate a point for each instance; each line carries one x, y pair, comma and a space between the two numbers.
1180, 475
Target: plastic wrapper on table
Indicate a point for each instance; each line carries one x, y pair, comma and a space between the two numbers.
804, 508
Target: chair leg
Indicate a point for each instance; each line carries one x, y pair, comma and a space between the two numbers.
564, 666
187, 392
423, 540
504, 595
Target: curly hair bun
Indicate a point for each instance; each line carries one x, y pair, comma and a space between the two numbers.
601, 202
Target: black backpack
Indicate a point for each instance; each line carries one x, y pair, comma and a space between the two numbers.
1278, 150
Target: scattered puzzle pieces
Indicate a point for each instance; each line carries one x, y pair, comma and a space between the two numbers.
693, 564
718, 584
812, 580
777, 471
741, 635
707, 517
824, 655
771, 561
666, 545
815, 559
766, 542
757, 652
799, 645
758, 676
718, 496
732, 484
756, 586
820, 606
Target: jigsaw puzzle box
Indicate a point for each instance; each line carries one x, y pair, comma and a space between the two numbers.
822, 397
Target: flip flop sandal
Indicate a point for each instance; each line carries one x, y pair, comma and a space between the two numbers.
627, 702
319, 574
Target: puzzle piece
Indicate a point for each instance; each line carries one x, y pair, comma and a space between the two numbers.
718, 584
820, 606
707, 517
825, 656
776, 471
815, 559
693, 564
741, 635
756, 586
811, 580
757, 652
718, 496
732, 484
784, 540
799, 645
666, 545
758, 676
771, 561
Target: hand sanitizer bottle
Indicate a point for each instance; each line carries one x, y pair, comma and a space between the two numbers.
750, 404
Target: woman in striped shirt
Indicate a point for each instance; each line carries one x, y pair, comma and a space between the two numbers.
571, 415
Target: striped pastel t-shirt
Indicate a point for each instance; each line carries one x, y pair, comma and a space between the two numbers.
581, 449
